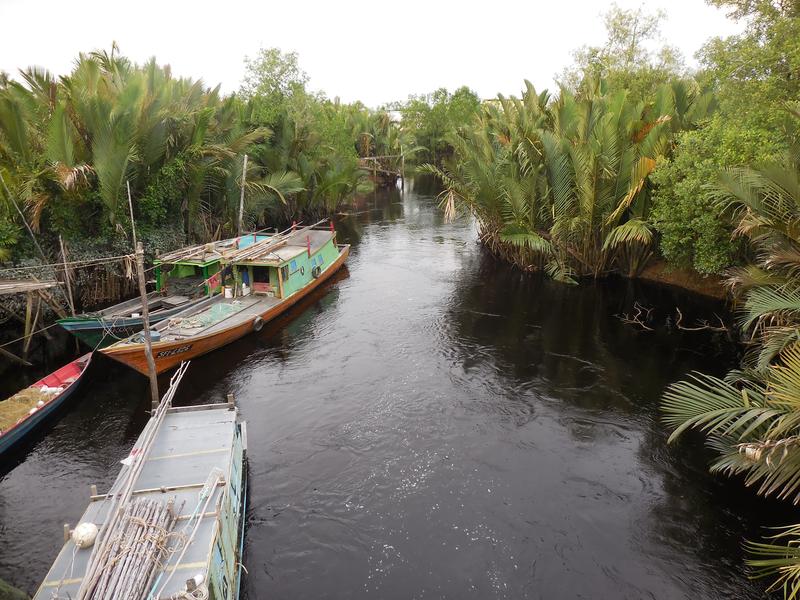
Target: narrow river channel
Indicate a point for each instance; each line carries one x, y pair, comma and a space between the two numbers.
434, 425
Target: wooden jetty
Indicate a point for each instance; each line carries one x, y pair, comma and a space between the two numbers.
172, 524
384, 170
37, 294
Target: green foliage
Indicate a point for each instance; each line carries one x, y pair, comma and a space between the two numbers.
753, 76
626, 60
164, 193
9, 236
694, 233
564, 185
272, 78
752, 418
69, 148
429, 120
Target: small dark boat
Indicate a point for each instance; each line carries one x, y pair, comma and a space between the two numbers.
184, 278
23, 411
122, 320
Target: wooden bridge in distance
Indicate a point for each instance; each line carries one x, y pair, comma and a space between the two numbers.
385, 170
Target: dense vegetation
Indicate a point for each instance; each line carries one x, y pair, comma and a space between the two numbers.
634, 156
69, 147
615, 166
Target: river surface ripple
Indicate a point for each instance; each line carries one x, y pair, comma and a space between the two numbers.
434, 425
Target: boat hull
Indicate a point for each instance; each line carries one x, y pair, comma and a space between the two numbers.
21, 430
170, 354
99, 332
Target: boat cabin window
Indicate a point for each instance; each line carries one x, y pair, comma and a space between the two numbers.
261, 274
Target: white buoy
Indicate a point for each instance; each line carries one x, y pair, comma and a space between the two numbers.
40, 403
84, 535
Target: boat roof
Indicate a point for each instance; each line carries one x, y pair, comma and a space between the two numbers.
281, 249
189, 444
206, 254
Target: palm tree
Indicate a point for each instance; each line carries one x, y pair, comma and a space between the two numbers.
752, 417
564, 184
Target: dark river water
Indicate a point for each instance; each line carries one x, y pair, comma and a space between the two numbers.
434, 425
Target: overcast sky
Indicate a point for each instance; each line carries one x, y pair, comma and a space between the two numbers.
372, 51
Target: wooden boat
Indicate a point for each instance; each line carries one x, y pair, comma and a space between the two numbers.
123, 320
269, 275
172, 524
24, 411
182, 280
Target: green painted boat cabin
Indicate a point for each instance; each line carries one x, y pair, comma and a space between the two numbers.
284, 265
187, 271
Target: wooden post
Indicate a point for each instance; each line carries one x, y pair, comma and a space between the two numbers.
241, 197
29, 335
231, 402
67, 277
28, 324
148, 342
280, 281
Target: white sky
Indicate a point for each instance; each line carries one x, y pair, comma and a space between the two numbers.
373, 51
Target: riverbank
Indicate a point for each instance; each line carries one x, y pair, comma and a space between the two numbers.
711, 286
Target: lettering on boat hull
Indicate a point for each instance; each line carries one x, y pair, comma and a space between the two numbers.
174, 351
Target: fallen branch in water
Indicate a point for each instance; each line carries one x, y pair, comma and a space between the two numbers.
704, 325
636, 318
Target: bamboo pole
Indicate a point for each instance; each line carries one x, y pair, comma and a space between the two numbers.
28, 325
241, 197
67, 277
148, 342
13, 357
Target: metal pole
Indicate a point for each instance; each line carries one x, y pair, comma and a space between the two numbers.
241, 197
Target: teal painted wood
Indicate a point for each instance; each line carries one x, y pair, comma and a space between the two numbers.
301, 268
103, 329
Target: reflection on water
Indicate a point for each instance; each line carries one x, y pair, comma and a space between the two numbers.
433, 424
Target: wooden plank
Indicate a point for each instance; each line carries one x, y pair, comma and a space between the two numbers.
14, 358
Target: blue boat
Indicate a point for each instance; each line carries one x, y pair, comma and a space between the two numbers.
24, 411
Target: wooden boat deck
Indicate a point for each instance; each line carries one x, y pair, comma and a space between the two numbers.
191, 444
220, 314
